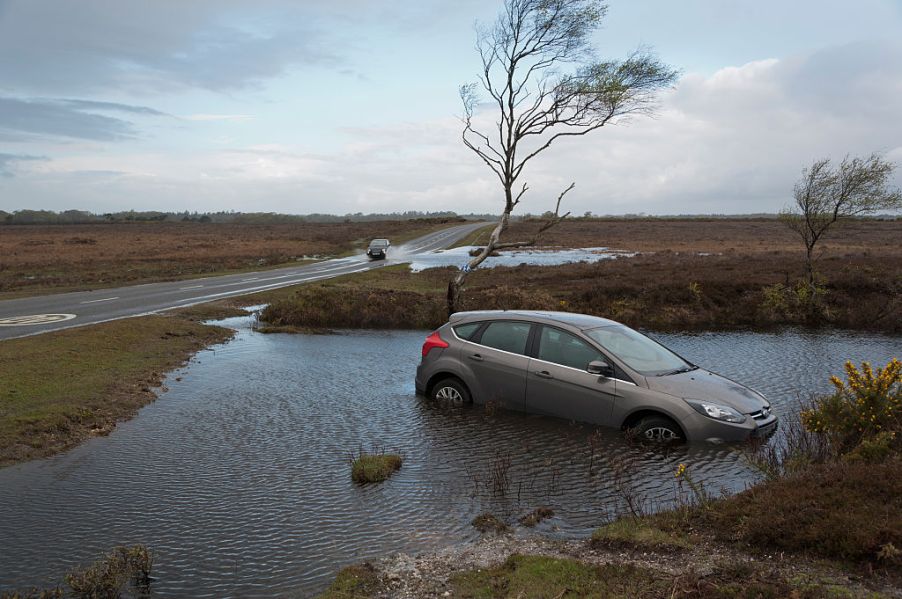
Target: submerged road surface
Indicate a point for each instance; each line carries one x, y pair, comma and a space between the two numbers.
36, 315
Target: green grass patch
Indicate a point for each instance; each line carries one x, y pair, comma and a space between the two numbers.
60, 388
210, 311
548, 577
354, 582
374, 467
638, 534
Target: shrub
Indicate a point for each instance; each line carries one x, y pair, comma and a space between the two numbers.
842, 510
867, 407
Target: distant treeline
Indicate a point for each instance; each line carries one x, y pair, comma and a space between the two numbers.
82, 217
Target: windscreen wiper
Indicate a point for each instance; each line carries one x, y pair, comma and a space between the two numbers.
680, 370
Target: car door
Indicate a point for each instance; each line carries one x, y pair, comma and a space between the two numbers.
558, 383
499, 362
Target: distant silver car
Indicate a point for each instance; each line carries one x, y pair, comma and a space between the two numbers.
588, 369
378, 249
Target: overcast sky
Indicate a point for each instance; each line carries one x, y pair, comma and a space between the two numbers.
340, 106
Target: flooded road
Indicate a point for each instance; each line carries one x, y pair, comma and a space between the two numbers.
238, 475
459, 256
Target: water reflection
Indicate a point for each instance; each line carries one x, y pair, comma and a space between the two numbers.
238, 475
544, 257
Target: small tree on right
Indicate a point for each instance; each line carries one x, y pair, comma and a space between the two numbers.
826, 194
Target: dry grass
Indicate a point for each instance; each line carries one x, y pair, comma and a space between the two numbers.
44, 258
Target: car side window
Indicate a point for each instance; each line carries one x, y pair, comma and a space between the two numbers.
565, 349
465, 331
507, 336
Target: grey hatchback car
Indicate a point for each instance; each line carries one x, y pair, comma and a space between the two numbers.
588, 369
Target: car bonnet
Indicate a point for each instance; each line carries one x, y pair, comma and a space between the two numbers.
708, 386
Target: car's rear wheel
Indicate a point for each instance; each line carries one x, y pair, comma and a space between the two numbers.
451, 391
658, 429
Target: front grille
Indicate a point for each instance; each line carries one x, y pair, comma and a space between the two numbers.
761, 414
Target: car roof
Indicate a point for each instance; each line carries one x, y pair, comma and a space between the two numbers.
577, 321
379, 241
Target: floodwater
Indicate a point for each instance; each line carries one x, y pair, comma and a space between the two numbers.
238, 475
546, 257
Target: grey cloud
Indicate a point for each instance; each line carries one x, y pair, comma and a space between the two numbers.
847, 80
111, 106
147, 47
7, 161
67, 118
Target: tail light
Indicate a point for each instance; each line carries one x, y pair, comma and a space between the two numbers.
433, 340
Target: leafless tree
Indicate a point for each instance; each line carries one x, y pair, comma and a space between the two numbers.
826, 194
543, 82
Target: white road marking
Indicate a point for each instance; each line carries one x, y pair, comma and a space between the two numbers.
106, 299
33, 319
190, 287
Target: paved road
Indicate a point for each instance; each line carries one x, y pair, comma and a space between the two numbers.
36, 315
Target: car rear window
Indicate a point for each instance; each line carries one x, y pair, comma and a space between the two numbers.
465, 331
507, 336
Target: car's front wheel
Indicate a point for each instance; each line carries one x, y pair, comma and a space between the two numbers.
658, 429
451, 391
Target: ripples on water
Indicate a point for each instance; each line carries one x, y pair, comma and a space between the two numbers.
238, 476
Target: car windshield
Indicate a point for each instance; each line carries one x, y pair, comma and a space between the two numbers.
379, 243
644, 355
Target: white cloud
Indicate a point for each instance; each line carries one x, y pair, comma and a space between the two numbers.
219, 117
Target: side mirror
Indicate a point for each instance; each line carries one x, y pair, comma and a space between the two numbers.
600, 367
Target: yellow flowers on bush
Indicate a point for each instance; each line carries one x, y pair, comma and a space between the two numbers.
865, 406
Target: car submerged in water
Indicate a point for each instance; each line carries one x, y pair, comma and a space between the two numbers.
588, 369
378, 249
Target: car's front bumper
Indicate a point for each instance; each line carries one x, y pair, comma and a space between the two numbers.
702, 428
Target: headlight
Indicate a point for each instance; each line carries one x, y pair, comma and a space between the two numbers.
716, 411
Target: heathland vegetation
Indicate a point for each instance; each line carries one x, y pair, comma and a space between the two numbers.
690, 274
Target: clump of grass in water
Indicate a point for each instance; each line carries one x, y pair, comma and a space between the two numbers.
373, 467
536, 516
107, 576
489, 523
104, 579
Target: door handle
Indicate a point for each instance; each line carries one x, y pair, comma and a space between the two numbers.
476, 357
544, 374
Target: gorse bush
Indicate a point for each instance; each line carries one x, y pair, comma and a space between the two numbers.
864, 415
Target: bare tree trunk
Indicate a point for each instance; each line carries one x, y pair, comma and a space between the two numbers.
494, 243
457, 282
